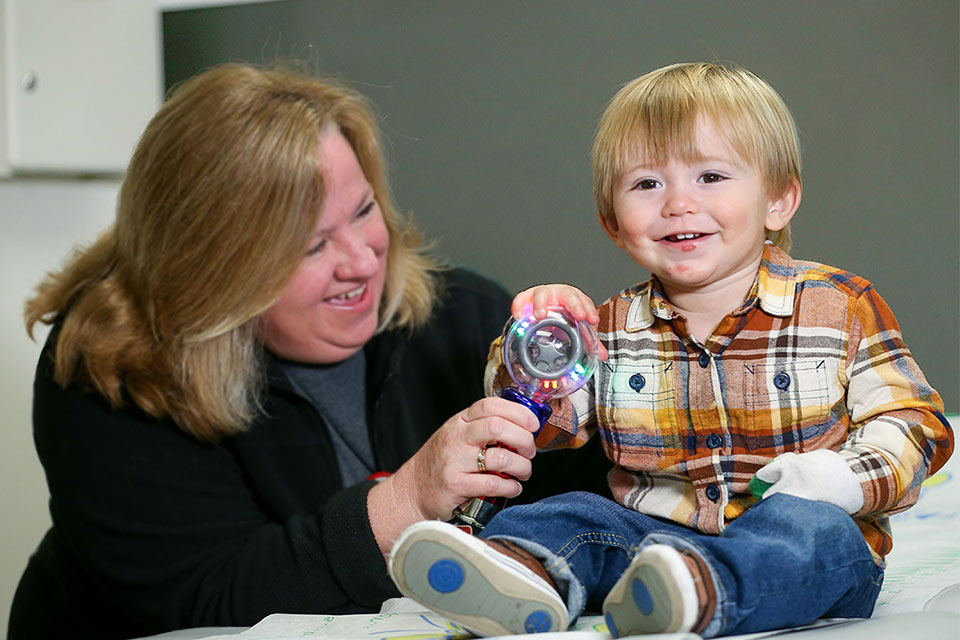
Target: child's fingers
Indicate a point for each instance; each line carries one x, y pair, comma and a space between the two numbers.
537, 300
544, 297
534, 300
572, 300
522, 302
578, 304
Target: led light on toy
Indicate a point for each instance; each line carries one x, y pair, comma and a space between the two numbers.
547, 358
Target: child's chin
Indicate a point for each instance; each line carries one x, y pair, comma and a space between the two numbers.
688, 276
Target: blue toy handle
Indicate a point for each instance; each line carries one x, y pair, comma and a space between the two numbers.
541, 410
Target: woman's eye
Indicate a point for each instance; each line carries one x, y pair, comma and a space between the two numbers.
710, 178
365, 211
646, 183
316, 248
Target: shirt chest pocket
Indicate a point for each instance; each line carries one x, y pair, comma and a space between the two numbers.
788, 403
639, 399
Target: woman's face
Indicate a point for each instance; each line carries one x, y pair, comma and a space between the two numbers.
329, 309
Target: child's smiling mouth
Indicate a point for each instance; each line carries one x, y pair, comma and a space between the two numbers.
680, 237
685, 242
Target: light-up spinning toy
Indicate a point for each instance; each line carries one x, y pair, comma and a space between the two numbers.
547, 358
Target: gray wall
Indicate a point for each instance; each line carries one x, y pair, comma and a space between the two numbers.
490, 107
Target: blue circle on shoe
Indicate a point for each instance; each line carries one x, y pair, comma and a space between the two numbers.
537, 622
642, 597
445, 576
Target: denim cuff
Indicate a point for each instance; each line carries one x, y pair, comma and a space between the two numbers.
569, 588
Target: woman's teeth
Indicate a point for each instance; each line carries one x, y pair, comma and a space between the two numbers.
350, 294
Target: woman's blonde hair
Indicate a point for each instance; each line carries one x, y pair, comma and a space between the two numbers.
655, 118
214, 215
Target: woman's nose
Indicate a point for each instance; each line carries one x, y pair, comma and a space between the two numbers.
357, 259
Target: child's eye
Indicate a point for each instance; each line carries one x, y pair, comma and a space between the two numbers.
646, 183
711, 178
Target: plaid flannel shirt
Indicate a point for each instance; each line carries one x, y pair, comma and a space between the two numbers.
812, 359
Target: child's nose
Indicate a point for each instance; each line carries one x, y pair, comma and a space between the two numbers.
680, 202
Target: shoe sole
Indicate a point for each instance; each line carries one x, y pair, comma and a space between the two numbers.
642, 601
455, 577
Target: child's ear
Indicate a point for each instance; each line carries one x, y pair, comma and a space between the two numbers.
783, 208
611, 228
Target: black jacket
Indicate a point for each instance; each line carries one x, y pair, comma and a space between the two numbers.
154, 531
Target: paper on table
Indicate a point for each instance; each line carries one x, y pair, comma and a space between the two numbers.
421, 625
429, 626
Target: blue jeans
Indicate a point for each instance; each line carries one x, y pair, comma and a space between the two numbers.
785, 562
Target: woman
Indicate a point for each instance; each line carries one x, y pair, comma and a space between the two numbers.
256, 338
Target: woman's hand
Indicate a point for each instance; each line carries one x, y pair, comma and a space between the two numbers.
445, 473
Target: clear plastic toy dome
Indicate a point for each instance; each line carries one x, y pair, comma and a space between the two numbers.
549, 357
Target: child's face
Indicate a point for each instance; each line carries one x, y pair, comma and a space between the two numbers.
696, 225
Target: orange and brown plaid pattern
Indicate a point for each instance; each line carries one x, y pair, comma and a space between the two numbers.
813, 359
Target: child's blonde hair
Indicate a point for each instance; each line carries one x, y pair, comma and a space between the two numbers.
655, 117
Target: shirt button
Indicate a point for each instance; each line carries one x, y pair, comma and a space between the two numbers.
713, 492
781, 381
703, 360
714, 441
637, 381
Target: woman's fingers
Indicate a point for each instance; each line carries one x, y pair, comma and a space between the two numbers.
501, 460
492, 485
498, 421
498, 415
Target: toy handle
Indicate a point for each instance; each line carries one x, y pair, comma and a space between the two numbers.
547, 358
541, 410
473, 516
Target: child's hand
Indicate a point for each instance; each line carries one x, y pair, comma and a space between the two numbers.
821, 475
540, 298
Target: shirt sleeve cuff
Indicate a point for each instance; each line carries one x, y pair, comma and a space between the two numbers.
877, 479
354, 555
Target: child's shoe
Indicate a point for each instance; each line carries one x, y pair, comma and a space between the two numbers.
491, 587
662, 591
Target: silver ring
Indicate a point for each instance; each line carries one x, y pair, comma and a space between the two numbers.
482, 460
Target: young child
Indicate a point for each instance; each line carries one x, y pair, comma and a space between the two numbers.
763, 414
